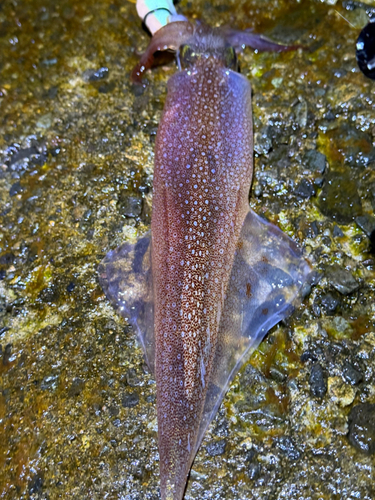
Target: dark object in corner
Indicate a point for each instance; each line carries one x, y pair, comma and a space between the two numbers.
372, 240
365, 50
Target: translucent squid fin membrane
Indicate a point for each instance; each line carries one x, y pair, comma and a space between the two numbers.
126, 278
267, 275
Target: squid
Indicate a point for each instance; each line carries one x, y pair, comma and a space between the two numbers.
204, 286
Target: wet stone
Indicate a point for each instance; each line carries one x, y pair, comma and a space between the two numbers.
132, 378
130, 400
36, 484
288, 447
3, 330
356, 145
20, 160
337, 232
326, 240
253, 471
55, 151
277, 375
339, 199
317, 253
107, 88
340, 393
221, 428
314, 228
76, 388
351, 374
7, 354
137, 89
252, 377
49, 383
216, 448
305, 189
258, 190
319, 181
301, 112
362, 428
340, 326
341, 280
279, 159
116, 422
129, 204
52, 92
317, 381
7, 259
307, 356
305, 290
329, 303
317, 301
94, 75
114, 411
49, 294
330, 115
151, 398
315, 161
15, 189
367, 223
263, 141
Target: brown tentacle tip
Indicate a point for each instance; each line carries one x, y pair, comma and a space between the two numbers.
136, 75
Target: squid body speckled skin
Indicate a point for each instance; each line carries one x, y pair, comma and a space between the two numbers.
213, 277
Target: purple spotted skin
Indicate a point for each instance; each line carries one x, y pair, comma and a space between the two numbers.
216, 277
203, 170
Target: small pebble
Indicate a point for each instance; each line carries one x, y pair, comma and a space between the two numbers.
132, 378
351, 375
114, 411
76, 388
93, 75
130, 400
337, 232
35, 485
342, 280
366, 223
216, 448
253, 471
15, 189
361, 422
315, 161
339, 392
49, 382
129, 204
329, 303
305, 189
317, 380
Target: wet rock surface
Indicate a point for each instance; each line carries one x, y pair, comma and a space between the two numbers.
77, 405
362, 427
216, 448
341, 280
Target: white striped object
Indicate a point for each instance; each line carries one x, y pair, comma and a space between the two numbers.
157, 13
